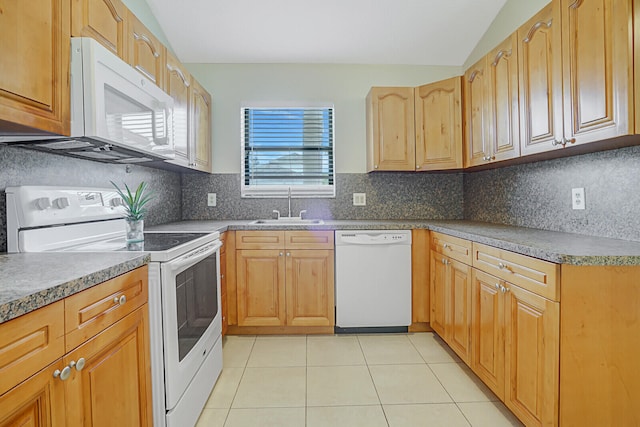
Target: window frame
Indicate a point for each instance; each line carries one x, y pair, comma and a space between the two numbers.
282, 191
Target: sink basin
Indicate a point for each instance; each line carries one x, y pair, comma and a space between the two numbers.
287, 221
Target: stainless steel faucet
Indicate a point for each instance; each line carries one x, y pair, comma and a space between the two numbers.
289, 196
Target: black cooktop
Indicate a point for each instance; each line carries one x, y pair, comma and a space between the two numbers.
156, 242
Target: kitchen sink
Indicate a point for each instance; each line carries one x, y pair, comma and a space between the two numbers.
287, 221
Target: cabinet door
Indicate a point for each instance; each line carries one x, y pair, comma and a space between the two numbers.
36, 402
223, 293
260, 286
391, 142
532, 328
201, 127
177, 83
34, 64
102, 20
597, 69
439, 298
540, 72
146, 53
113, 388
503, 113
487, 330
309, 288
458, 330
438, 125
476, 123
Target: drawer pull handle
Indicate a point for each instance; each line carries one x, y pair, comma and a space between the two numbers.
445, 246
79, 365
120, 301
445, 261
504, 290
288, 253
64, 374
498, 286
281, 254
502, 266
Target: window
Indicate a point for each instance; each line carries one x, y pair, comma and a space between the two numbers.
286, 148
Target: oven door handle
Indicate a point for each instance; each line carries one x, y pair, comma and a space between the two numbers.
195, 256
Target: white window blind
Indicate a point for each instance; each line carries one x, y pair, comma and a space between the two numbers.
286, 148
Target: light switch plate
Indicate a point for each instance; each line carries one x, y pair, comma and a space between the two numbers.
211, 199
359, 199
577, 198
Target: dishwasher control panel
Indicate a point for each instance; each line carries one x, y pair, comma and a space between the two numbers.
373, 237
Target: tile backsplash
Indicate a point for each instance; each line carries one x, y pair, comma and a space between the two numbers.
19, 166
388, 196
538, 195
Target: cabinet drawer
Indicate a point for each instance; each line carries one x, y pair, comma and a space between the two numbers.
535, 275
29, 343
308, 239
453, 247
259, 239
97, 308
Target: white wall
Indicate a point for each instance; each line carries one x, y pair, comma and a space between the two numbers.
346, 86
141, 9
513, 14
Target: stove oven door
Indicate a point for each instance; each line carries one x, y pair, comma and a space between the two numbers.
191, 318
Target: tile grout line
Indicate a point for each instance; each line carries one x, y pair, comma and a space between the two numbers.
244, 369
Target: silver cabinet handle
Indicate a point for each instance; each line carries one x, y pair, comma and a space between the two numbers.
281, 254
79, 365
288, 253
120, 300
502, 266
375, 167
445, 246
498, 286
417, 166
555, 143
64, 374
504, 290
445, 261
222, 276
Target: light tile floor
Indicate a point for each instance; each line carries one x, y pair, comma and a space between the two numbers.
389, 380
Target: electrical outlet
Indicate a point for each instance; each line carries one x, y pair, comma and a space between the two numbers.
359, 199
577, 198
211, 199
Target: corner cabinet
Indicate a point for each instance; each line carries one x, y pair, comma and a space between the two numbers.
93, 372
35, 45
285, 279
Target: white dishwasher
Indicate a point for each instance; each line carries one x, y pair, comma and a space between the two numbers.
373, 279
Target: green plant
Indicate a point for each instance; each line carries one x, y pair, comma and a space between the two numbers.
134, 203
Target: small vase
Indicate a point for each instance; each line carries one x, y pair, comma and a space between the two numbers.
135, 230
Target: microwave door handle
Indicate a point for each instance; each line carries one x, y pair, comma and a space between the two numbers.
192, 259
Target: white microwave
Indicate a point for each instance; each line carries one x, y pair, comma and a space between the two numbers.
117, 115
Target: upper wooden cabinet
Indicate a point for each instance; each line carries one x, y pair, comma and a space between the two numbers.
576, 83
415, 129
34, 64
103, 20
390, 129
200, 119
476, 121
177, 83
145, 52
438, 125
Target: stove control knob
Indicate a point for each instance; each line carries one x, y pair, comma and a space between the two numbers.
43, 203
61, 202
116, 201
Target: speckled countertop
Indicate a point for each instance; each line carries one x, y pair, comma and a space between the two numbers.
561, 248
32, 280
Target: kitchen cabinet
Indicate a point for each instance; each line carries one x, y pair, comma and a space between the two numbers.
451, 292
575, 62
420, 266
285, 278
177, 83
34, 65
415, 129
94, 370
200, 124
102, 20
438, 125
476, 112
390, 129
145, 52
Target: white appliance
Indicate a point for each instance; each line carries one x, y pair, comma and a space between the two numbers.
185, 320
373, 278
117, 115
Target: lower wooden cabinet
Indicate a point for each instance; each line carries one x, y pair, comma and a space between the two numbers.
104, 381
285, 278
